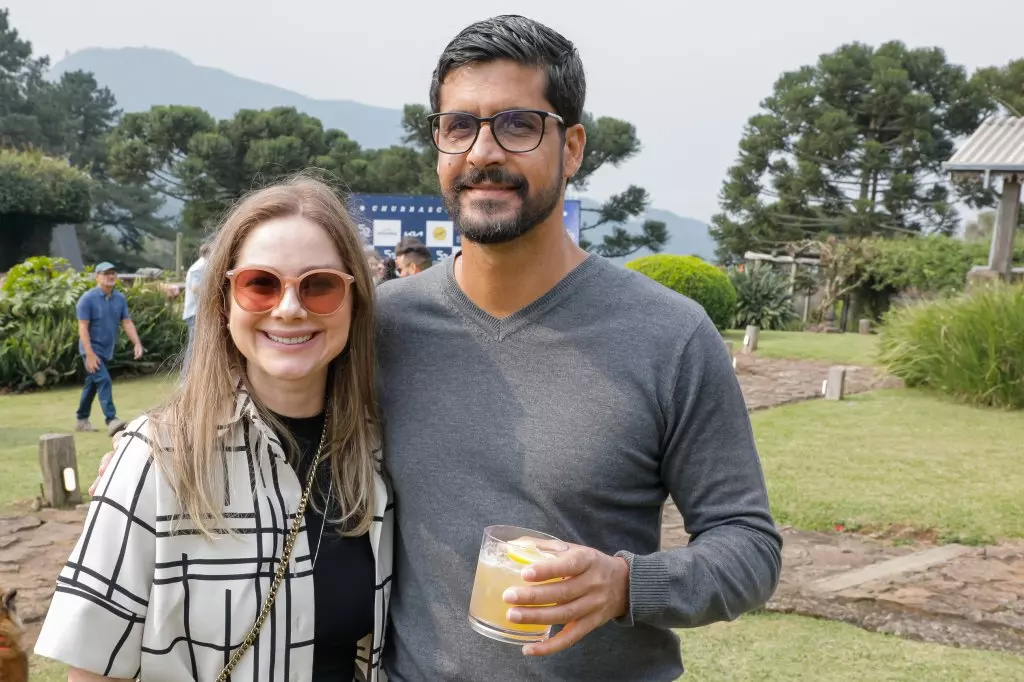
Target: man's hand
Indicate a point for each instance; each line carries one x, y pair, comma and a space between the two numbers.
92, 362
139, 350
594, 589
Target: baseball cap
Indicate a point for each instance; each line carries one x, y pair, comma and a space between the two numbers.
104, 266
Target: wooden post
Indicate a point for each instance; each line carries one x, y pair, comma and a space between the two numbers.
835, 385
750, 338
59, 465
179, 243
1000, 256
864, 326
729, 346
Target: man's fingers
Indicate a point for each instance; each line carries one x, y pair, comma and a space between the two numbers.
571, 634
574, 610
549, 593
567, 565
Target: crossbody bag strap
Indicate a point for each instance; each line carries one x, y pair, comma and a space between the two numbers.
286, 557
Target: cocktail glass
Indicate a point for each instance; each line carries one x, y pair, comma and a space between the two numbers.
504, 553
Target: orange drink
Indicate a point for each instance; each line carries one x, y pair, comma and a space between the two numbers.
504, 553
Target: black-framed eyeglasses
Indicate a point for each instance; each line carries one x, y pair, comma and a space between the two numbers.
517, 131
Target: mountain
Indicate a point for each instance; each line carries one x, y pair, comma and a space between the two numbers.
687, 237
142, 77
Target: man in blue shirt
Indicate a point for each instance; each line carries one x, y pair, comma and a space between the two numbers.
100, 312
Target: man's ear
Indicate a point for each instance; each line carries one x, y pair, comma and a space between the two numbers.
575, 147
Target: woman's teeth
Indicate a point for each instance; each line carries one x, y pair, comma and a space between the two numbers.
290, 340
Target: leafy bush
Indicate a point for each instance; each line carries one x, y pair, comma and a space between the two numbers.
932, 264
39, 329
762, 298
968, 346
692, 277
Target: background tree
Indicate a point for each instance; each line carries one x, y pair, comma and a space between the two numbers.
1005, 85
184, 154
851, 146
71, 118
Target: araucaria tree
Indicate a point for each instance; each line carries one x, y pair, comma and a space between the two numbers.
851, 146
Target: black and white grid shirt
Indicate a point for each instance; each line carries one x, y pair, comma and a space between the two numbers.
135, 600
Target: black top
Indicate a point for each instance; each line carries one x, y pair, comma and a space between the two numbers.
343, 572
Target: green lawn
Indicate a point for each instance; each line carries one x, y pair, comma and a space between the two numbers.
841, 349
895, 457
781, 648
23, 418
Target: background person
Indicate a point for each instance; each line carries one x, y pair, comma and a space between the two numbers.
100, 312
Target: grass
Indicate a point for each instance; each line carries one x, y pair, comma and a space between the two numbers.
783, 648
895, 458
23, 418
840, 349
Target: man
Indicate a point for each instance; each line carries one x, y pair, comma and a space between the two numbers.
412, 257
563, 394
578, 395
100, 311
193, 280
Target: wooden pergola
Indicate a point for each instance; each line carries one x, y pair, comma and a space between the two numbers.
996, 150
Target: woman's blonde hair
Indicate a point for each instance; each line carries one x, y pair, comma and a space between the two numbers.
187, 426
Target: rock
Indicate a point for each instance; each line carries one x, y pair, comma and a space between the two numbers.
9, 525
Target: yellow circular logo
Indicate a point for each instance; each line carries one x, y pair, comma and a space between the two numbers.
440, 232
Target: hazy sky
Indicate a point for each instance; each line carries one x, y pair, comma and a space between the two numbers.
687, 74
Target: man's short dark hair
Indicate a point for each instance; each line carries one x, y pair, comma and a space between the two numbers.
525, 42
415, 252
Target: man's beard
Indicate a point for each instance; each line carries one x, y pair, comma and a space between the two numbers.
490, 229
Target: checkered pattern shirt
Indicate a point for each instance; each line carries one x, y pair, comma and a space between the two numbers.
136, 600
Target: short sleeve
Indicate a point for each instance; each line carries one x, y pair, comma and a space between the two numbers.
83, 309
95, 620
125, 315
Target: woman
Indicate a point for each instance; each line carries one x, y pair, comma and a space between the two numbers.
173, 576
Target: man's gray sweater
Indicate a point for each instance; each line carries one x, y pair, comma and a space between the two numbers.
576, 416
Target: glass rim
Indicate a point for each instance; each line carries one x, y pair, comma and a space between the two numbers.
527, 532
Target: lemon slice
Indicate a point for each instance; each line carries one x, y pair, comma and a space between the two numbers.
526, 553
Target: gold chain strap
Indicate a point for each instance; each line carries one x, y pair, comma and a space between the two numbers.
286, 558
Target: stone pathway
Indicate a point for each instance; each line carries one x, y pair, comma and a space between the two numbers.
949, 594
962, 596
769, 382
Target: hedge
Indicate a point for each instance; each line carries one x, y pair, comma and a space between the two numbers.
692, 277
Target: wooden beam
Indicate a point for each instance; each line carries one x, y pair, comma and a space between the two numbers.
1000, 256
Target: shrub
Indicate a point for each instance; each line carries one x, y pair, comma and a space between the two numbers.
762, 298
39, 330
968, 346
692, 277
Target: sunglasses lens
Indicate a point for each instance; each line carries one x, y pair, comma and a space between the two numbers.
322, 293
256, 290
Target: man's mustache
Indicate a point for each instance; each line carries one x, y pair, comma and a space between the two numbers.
496, 176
